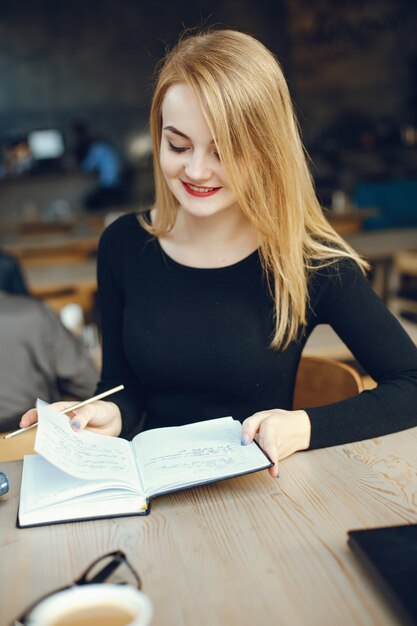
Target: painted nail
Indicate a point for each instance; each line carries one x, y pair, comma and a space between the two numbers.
76, 425
245, 440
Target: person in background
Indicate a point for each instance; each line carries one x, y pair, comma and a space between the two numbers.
208, 299
17, 158
11, 277
96, 155
39, 357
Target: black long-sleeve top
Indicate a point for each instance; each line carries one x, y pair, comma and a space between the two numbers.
192, 344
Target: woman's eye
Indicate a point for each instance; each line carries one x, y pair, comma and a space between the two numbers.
176, 149
217, 155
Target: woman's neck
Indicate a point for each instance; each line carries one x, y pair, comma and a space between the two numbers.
214, 241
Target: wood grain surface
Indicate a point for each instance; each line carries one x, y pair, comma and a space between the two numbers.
252, 550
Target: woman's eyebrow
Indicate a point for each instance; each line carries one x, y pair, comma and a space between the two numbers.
178, 132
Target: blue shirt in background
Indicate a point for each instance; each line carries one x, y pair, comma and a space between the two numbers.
103, 158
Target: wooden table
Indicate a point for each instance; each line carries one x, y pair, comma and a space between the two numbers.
60, 284
252, 550
349, 220
382, 244
379, 248
324, 342
78, 243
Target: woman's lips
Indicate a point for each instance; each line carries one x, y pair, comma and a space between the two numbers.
200, 192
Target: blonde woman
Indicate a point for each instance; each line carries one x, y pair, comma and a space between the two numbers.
208, 300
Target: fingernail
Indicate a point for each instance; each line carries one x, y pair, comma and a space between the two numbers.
76, 425
244, 440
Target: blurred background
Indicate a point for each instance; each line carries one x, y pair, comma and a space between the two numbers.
76, 84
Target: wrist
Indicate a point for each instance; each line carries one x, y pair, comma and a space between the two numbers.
303, 429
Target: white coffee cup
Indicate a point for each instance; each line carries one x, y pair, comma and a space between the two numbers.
94, 604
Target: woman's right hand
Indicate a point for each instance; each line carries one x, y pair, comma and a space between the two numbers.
100, 417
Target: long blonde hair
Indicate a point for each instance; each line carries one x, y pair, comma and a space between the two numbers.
247, 106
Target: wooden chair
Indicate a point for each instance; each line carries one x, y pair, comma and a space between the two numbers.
16, 448
404, 267
323, 381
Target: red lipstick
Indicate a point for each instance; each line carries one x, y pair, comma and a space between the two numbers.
199, 194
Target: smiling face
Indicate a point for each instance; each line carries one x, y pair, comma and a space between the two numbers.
189, 159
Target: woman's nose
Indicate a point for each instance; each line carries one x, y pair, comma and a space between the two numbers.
197, 167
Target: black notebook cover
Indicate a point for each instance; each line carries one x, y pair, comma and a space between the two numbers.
390, 557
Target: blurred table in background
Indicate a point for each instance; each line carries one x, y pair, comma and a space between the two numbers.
64, 283
380, 248
349, 220
46, 243
382, 244
326, 343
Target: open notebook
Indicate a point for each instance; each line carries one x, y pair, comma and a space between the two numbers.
85, 475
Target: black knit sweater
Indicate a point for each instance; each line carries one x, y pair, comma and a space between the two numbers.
193, 344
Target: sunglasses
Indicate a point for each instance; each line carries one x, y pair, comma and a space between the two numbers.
111, 568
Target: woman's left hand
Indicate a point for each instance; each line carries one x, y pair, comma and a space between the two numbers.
280, 433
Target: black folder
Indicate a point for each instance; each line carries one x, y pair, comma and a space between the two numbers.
390, 557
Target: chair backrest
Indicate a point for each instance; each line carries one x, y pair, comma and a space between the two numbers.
323, 381
15, 449
405, 262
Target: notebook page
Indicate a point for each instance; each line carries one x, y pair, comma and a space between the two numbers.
49, 495
185, 455
44, 485
85, 454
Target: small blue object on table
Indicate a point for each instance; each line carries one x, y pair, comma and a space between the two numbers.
4, 484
